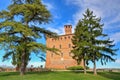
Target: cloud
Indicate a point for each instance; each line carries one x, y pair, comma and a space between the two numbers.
116, 37
36, 64
101, 8
6, 63
48, 5
116, 19
118, 61
59, 30
52, 8
109, 11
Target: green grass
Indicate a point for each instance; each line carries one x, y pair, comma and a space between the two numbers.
59, 76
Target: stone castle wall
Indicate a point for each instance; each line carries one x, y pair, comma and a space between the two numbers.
64, 44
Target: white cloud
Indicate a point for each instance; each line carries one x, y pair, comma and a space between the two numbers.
59, 30
101, 8
36, 64
115, 19
48, 5
118, 61
6, 63
116, 37
108, 10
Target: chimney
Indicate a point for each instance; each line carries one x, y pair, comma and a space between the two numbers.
68, 29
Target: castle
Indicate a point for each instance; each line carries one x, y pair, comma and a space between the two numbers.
64, 44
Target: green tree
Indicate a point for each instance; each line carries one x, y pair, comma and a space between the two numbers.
101, 48
98, 46
19, 31
81, 44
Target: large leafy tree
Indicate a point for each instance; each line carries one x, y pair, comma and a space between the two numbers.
19, 30
90, 42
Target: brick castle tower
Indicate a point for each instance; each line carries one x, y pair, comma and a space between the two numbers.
64, 44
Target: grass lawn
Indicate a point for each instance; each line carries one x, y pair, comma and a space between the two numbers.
59, 76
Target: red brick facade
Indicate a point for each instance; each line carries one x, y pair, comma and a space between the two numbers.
63, 43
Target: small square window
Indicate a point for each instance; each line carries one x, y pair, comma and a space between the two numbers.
69, 37
69, 45
65, 37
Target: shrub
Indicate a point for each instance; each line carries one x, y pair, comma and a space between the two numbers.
75, 68
87, 67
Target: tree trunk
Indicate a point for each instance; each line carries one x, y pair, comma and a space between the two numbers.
84, 62
94, 69
23, 66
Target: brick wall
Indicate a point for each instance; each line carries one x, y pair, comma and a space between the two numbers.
64, 44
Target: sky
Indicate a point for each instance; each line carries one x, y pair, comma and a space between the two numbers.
69, 12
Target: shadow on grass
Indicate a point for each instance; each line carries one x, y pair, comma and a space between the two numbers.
8, 73
77, 72
40, 72
18, 73
110, 75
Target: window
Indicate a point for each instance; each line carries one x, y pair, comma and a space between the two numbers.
53, 46
69, 45
51, 54
69, 53
69, 37
65, 37
60, 46
61, 54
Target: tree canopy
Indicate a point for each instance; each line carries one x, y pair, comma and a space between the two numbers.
20, 29
90, 44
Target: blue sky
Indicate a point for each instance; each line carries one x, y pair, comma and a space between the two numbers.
70, 11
